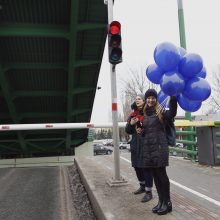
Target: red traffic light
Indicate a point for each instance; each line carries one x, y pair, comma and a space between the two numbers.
115, 27
114, 43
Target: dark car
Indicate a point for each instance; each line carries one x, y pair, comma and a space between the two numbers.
101, 149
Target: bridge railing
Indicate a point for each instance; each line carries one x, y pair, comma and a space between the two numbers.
189, 139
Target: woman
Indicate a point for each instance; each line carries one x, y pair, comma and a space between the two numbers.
135, 121
155, 147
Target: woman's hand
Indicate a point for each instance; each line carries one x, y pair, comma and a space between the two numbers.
133, 121
139, 130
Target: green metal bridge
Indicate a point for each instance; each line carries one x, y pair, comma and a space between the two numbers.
50, 57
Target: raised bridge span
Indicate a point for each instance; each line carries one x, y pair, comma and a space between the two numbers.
50, 57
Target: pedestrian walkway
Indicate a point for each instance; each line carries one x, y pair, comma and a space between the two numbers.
119, 203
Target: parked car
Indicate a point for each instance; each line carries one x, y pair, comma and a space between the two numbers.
109, 144
129, 147
101, 149
179, 145
124, 145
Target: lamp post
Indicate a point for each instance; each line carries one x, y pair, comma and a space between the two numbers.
182, 37
183, 44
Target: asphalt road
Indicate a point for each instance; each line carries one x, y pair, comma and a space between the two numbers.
35, 193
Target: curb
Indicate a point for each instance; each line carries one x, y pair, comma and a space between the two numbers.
100, 215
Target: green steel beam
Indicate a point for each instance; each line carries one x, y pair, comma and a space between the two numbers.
80, 111
43, 139
82, 90
40, 93
71, 67
68, 140
36, 146
42, 115
9, 141
81, 63
9, 148
72, 52
51, 114
4, 115
90, 26
43, 149
34, 30
37, 93
6, 91
58, 144
48, 66
7, 95
44, 66
77, 141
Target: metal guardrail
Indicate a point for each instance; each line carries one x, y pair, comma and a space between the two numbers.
191, 150
186, 132
183, 150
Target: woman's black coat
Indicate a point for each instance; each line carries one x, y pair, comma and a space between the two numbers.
155, 147
136, 144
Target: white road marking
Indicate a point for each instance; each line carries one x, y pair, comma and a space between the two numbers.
187, 189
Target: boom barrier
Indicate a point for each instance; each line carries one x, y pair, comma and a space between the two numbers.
178, 123
183, 136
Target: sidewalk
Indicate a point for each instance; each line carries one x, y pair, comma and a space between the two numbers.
119, 203
115, 203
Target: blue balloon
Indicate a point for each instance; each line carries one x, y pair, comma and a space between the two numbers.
197, 89
188, 105
154, 73
162, 97
166, 56
182, 51
190, 65
172, 83
202, 74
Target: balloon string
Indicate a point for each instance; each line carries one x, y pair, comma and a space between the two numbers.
162, 105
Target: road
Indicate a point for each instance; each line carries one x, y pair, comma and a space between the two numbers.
35, 193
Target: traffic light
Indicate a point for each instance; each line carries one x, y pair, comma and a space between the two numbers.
114, 43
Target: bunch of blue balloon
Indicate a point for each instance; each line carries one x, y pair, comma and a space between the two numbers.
179, 74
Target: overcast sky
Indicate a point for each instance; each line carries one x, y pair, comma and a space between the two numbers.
146, 23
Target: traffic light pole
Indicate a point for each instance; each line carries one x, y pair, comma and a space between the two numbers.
117, 180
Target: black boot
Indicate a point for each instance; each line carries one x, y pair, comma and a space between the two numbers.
140, 190
165, 208
147, 197
157, 207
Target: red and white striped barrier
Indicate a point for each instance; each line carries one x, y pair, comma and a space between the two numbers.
13, 127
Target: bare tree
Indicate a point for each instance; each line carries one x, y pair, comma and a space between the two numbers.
136, 82
214, 100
